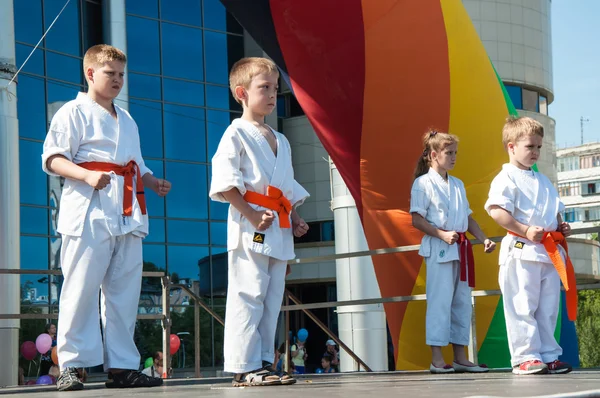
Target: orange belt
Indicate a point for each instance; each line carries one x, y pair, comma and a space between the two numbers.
565, 272
466, 259
273, 200
126, 171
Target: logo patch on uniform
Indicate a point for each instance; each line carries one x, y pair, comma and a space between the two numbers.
258, 238
519, 244
442, 253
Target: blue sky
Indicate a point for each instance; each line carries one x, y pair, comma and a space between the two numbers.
576, 54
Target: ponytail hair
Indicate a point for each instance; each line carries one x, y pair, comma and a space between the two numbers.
433, 140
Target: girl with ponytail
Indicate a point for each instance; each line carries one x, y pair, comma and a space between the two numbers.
440, 209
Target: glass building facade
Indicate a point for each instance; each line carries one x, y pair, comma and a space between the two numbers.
179, 54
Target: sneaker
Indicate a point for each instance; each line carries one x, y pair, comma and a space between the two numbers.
69, 380
556, 367
132, 379
530, 368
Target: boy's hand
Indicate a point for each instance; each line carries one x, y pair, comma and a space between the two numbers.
450, 237
162, 187
488, 246
535, 234
565, 229
97, 179
262, 220
300, 227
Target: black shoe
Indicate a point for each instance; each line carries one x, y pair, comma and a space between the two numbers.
132, 379
69, 380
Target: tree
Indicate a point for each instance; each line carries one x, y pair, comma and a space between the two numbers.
588, 328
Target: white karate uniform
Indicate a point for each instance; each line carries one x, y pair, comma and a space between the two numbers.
443, 204
529, 282
244, 160
101, 248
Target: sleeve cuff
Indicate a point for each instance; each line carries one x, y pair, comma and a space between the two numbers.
48, 153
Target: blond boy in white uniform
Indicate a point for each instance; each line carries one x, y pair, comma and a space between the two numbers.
526, 204
252, 170
94, 145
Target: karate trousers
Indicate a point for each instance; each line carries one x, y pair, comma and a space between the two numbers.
254, 294
531, 298
449, 309
99, 268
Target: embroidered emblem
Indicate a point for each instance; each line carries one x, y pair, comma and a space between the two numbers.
258, 238
442, 253
519, 244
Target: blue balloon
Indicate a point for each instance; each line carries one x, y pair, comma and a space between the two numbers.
302, 335
319, 370
44, 380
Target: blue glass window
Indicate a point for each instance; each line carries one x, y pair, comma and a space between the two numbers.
28, 21
34, 184
58, 93
142, 45
157, 231
65, 35
185, 135
215, 16
147, 8
144, 86
188, 12
35, 63
64, 68
183, 261
189, 196
281, 111
217, 70
182, 52
155, 203
216, 124
218, 210
218, 233
217, 96
515, 94
31, 107
34, 220
148, 116
182, 92
34, 255
187, 232
155, 254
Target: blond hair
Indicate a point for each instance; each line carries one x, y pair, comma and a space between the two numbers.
433, 140
517, 128
101, 54
244, 70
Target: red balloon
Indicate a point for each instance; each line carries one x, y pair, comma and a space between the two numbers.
28, 350
175, 343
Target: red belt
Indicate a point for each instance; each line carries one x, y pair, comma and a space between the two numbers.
126, 171
466, 259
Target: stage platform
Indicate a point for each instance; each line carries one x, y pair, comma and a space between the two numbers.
581, 384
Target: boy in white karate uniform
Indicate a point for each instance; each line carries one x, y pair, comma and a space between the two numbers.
527, 205
252, 171
95, 146
440, 209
